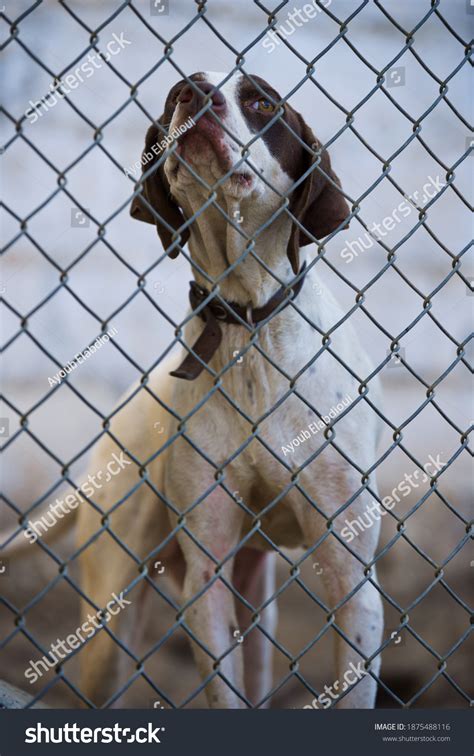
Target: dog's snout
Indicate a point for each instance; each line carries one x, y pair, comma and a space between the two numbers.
194, 98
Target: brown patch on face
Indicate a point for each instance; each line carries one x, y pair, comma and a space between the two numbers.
279, 140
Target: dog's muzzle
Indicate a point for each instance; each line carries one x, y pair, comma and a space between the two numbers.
216, 310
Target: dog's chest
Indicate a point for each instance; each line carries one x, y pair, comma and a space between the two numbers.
259, 377
272, 397
259, 395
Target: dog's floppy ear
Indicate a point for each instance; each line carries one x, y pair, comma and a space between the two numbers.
156, 191
319, 206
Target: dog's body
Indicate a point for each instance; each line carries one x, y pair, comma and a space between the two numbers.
222, 469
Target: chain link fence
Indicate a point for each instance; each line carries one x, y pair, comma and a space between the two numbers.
20, 415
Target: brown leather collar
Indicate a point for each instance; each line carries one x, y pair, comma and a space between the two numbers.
230, 312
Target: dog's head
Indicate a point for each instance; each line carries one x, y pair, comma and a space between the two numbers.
219, 147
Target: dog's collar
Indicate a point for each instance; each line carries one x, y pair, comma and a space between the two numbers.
227, 312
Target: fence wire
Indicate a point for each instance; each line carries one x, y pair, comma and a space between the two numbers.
269, 22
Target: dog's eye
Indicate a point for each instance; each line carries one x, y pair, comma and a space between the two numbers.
263, 105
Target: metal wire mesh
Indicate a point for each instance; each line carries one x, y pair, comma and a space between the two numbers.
269, 21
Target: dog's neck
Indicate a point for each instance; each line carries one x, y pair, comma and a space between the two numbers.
218, 247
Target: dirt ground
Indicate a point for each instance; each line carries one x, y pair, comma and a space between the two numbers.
407, 666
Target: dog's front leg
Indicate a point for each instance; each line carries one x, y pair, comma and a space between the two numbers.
360, 620
209, 611
355, 604
254, 579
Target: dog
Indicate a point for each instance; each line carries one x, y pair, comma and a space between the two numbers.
214, 483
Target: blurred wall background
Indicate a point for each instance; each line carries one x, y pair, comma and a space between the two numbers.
100, 281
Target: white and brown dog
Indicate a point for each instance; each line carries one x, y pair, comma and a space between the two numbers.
212, 505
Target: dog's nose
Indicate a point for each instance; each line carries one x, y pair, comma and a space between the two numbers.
193, 98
